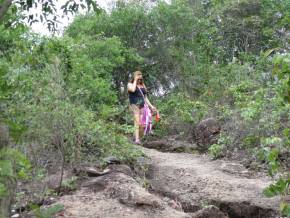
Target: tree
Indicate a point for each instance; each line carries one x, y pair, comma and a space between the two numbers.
5, 201
48, 9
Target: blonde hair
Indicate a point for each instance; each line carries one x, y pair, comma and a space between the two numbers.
136, 73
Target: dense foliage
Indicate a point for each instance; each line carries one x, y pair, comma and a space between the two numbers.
223, 59
46, 12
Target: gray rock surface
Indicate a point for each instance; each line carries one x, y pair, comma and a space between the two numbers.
181, 185
196, 180
116, 194
171, 145
209, 212
206, 132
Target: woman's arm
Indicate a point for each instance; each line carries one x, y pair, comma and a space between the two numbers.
132, 86
149, 104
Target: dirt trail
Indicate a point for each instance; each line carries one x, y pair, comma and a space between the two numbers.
196, 180
180, 185
114, 195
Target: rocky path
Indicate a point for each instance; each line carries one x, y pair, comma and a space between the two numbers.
116, 194
179, 184
196, 181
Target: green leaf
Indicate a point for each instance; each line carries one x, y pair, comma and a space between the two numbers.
285, 209
6, 169
268, 52
280, 187
286, 132
2, 189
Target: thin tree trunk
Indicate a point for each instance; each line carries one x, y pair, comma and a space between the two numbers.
62, 168
9, 183
4, 136
7, 200
4, 7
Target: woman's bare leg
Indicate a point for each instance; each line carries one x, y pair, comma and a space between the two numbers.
137, 126
136, 115
141, 128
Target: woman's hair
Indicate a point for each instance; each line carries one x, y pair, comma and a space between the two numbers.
136, 73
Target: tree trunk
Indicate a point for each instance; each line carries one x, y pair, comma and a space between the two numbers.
10, 184
7, 200
62, 152
4, 7
4, 136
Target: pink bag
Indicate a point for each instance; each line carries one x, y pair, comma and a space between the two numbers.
146, 117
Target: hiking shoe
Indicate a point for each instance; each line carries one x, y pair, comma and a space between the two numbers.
137, 142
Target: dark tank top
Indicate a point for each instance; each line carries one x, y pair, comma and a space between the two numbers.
137, 98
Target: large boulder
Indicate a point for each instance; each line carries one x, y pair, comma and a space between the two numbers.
206, 132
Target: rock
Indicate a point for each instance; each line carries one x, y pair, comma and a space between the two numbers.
15, 215
175, 205
205, 133
171, 145
246, 209
141, 166
194, 179
284, 157
158, 144
235, 169
141, 198
90, 171
122, 168
209, 212
119, 184
181, 146
122, 197
96, 184
112, 160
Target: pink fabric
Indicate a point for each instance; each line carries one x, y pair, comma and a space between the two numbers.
146, 117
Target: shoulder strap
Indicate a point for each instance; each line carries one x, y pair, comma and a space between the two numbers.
141, 93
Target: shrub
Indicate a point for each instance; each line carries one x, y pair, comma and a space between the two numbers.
179, 113
215, 150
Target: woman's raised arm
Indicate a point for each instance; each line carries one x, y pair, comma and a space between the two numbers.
132, 86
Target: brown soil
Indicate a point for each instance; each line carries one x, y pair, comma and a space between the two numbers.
178, 185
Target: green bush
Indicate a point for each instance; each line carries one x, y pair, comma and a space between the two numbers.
218, 150
179, 113
13, 165
48, 212
215, 150
64, 99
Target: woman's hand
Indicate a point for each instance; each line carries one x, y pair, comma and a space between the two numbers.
153, 108
132, 86
137, 77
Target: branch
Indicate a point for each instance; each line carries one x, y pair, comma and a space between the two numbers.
4, 8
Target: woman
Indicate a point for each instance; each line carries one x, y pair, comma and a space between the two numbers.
137, 101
